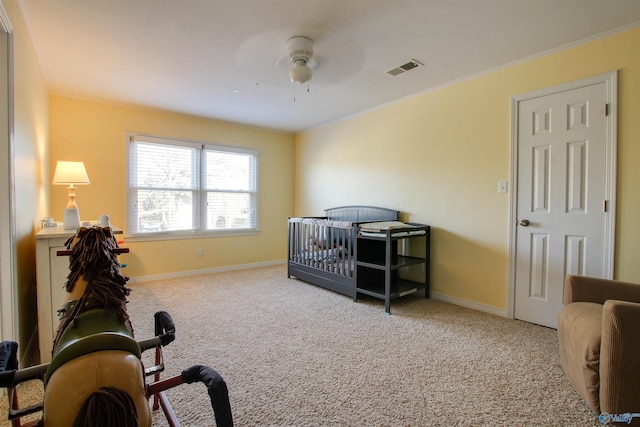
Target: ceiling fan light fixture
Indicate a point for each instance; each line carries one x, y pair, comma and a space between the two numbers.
300, 50
300, 73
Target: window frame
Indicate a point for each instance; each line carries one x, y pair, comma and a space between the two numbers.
199, 193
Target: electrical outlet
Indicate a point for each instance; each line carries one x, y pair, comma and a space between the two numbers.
200, 252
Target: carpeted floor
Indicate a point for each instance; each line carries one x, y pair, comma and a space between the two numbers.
293, 354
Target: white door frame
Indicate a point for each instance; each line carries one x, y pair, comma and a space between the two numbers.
9, 326
611, 81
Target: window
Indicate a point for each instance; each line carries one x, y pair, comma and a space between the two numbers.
182, 187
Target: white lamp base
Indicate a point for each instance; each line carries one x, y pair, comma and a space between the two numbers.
71, 219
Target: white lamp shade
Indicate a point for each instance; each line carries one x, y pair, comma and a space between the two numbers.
70, 173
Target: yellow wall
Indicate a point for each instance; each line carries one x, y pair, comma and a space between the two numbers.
438, 157
30, 168
95, 134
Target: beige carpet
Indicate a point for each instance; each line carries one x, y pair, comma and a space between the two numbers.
293, 354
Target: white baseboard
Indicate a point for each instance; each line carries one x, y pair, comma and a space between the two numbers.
469, 304
187, 273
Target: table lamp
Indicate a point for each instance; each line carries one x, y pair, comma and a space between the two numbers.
71, 174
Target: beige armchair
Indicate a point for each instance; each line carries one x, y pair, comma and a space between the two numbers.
599, 337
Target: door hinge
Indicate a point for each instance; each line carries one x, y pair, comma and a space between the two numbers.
607, 109
604, 206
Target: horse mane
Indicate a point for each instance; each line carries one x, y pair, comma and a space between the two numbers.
107, 407
94, 260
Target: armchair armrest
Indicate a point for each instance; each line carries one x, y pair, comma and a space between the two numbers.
592, 289
620, 358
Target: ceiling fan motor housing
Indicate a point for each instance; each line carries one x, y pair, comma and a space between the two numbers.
300, 48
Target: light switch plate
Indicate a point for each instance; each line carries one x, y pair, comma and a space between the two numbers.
502, 186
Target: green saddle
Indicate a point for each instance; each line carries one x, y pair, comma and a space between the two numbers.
94, 330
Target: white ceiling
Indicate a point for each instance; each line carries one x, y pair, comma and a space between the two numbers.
226, 59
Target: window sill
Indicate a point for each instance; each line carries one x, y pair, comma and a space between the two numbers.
188, 236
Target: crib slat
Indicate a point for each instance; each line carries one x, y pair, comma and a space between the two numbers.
317, 243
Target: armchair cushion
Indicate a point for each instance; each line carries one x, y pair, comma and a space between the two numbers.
592, 289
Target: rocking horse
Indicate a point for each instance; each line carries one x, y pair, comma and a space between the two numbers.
96, 376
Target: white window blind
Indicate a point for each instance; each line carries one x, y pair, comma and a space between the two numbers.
182, 187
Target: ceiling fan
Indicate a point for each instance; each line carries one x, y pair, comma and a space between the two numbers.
272, 60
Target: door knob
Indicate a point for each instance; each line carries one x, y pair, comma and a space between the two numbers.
524, 222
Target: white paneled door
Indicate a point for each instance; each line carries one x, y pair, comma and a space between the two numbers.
563, 206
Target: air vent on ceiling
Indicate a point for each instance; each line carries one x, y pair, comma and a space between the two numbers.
405, 67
